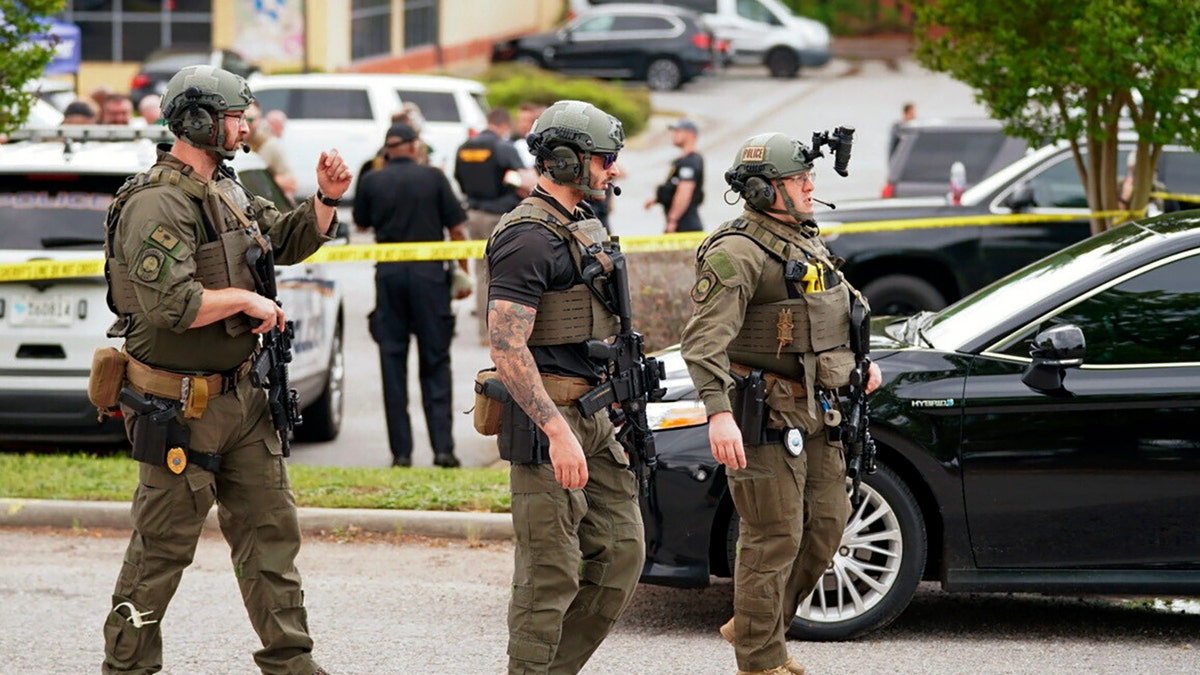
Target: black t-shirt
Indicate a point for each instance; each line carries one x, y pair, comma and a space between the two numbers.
689, 167
405, 201
525, 261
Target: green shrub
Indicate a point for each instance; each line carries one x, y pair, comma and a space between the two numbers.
511, 84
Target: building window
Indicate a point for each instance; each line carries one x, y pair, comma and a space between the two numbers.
420, 23
370, 28
128, 30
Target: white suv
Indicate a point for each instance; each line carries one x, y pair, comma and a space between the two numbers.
53, 203
352, 112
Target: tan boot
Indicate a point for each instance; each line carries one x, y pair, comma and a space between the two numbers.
780, 670
792, 667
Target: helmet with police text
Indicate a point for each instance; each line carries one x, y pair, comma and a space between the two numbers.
195, 102
761, 162
566, 135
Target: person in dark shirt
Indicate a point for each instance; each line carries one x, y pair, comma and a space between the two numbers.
404, 202
683, 192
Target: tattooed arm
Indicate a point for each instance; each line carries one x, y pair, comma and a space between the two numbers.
509, 327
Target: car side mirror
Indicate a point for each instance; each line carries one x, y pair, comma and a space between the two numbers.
566, 35
1054, 351
1020, 198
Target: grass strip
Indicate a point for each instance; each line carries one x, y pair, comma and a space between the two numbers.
114, 477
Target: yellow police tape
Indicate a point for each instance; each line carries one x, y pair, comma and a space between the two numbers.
456, 250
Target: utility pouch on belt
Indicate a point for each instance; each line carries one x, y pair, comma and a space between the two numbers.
750, 406
490, 396
105, 380
157, 430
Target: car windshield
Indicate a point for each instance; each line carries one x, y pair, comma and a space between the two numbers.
957, 324
55, 211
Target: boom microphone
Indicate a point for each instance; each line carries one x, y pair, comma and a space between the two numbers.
829, 204
616, 189
245, 148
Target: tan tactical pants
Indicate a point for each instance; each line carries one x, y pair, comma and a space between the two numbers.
479, 226
793, 512
578, 557
257, 513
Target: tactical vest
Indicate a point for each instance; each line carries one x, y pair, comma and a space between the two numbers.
810, 330
230, 220
477, 170
573, 315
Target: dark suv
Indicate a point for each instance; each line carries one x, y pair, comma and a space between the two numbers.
946, 251
664, 46
925, 150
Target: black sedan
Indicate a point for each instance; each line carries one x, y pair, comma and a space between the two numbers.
665, 46
931, 251
1038, 436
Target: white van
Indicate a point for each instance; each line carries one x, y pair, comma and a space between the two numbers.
758, 31
352, 112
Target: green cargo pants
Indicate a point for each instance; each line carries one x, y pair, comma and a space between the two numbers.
257, 513
578, 555
793, 512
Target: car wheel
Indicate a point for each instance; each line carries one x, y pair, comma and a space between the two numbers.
664, 74
876, 570
901, 294
529, 60
782, 63
323, 418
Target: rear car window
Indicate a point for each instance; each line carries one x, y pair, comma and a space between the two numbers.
932, 154
55, 211
317, 104
436, 106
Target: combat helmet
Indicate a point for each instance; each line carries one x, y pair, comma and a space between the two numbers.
195, 102
565, 137
761, 162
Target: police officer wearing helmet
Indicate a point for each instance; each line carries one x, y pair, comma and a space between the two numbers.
772, 310
579, 542
179, 240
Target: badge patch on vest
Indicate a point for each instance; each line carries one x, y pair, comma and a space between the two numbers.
704, 287
164, 239
150, 264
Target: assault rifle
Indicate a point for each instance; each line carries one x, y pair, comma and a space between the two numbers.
633, 378
270, 369
856, 434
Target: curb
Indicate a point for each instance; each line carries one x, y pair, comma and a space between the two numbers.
441, 524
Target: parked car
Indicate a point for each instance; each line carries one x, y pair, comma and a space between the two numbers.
758, 32
353, 111
1038, 436
905, 270
926, 149
53, 203
665, 46
162, 64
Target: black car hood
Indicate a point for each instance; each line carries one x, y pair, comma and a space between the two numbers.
538, 41
896, 209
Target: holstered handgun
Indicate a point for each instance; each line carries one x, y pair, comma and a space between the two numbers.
520, 440
156, 427
750, 406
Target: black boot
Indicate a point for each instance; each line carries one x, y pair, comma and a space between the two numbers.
447, 460
402, 461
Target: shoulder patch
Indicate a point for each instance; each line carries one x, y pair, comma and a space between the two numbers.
150, 264
164, 239
720, 263
704, 287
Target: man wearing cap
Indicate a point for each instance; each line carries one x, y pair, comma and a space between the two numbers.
683, 192
409, 202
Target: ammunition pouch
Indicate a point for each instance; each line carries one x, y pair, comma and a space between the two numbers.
106, 379
489, 405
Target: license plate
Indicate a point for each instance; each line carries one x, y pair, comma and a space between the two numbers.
51, 311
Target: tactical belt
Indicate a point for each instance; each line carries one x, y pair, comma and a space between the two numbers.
209, 461
796, 388
565, 390
193, 391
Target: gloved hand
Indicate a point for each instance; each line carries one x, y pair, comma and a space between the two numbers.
461, 283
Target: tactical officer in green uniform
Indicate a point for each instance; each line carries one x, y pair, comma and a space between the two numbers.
179, 240
579, 542
771, 324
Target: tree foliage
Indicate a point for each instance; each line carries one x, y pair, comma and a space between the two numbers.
21, 59
1079, 71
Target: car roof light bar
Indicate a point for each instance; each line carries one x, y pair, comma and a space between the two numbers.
94, 132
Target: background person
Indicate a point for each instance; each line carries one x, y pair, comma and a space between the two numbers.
150, 109
579, 541
270, 148
787, 480
194, 339
404, 202
487, 169
683, 191
117, 109
908, 113
79, 112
